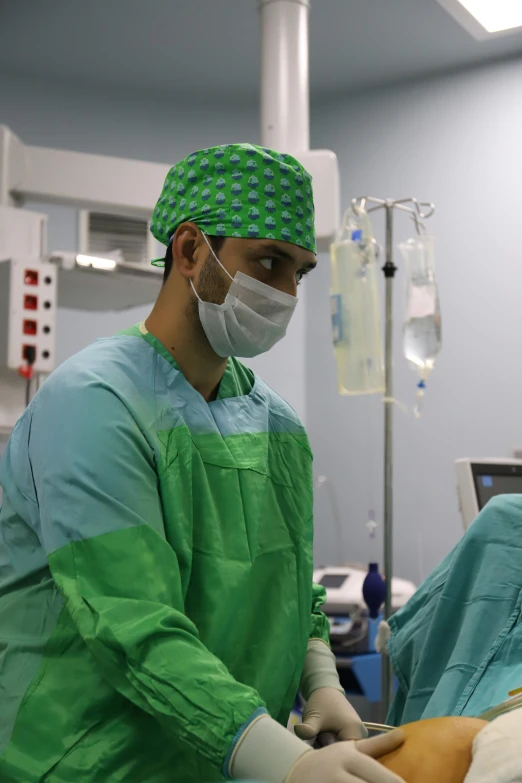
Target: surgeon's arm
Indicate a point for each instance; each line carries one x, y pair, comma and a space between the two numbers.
327, 709
319, 669
96, 487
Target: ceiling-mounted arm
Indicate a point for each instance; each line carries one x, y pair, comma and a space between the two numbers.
285, 91
117, 185
285, 105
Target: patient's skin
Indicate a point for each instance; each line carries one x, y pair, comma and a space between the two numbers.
435, 751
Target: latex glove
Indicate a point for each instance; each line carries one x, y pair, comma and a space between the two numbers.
348, 762
383, 637
497, 756
329, 710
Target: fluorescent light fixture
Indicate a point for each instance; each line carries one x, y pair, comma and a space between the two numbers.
96, 262
486, 18
495, 16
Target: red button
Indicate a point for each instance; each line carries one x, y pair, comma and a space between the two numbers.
30, 327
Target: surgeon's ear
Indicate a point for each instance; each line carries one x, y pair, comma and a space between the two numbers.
188, 250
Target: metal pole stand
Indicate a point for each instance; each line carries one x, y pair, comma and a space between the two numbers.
419, 212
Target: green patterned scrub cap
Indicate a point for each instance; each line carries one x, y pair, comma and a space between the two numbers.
238, 190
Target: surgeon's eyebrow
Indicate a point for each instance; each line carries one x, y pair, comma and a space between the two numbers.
268, 249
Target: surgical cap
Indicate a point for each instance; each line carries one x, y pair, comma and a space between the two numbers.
238, 190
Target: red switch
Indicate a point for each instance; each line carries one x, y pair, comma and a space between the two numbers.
26, 370
30, 327
30, 302
31, 277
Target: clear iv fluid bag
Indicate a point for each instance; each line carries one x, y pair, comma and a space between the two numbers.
356, 314
422, 328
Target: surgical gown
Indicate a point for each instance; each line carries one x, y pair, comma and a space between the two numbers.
456, 645
155, 569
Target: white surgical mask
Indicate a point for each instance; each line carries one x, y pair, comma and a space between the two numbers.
253, 317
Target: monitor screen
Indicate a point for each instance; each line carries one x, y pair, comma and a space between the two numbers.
333, 580
491, 480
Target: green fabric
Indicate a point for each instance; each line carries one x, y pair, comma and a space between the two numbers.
179, 535
29, 611
238, 190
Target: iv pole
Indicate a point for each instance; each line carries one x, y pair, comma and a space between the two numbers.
419, 212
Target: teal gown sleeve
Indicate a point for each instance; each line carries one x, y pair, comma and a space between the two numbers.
96, 487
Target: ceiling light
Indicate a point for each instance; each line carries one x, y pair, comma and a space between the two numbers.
495, 15
484, 18
96, 262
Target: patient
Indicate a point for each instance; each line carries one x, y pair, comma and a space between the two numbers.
435, 751
460, 750
456, 649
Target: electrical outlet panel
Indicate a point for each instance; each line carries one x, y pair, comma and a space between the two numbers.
28, 289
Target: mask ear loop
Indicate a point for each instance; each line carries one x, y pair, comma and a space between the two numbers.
216, 258
195, 292
219, 262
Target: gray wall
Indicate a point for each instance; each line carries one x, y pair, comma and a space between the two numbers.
455, 141
118, 123
135, 127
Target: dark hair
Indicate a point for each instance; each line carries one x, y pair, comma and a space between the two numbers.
216, 243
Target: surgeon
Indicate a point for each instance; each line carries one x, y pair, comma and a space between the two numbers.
157, 613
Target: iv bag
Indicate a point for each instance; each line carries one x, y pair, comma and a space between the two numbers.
355, 310
422, 327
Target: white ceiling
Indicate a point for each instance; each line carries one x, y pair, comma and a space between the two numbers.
210, 48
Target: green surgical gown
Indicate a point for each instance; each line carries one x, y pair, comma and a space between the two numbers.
155, 570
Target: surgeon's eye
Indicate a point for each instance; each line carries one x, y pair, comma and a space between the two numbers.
267, 263
301, 274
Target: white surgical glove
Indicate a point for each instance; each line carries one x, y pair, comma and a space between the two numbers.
348, 762
327, 708
270, 753
497, 751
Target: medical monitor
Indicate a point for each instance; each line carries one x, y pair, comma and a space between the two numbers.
479, 480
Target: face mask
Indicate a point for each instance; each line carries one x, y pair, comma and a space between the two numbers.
253, 317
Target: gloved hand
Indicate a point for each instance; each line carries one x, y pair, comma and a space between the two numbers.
267, 751
348, 762
329, 710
